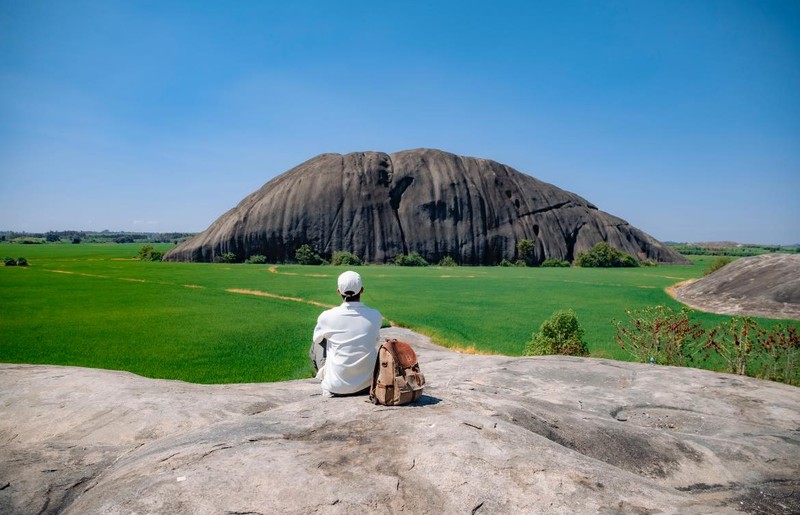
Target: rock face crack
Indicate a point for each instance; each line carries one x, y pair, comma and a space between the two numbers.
395, 196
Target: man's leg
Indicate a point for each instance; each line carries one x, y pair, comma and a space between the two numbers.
318, 354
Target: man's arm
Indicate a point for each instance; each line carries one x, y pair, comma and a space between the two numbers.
321, 331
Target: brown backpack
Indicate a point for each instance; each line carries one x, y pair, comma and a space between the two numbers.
397, 379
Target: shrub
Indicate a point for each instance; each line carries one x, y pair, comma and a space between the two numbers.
345, 258
305, 255
228, 257
520, 262
560, 334
780, 356
605, 256
553, 262
256, 259
505, 262
148, 253
527, 252
716, 265
659, 334
741, 343
9, 261
749, 349
448, 261
413, 259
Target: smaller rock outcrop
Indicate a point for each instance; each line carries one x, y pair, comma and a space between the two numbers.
764, 286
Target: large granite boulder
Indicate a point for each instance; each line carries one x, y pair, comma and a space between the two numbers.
764, 286
492, 434
435, 203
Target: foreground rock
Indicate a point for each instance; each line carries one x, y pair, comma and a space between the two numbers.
763, 286
438, 204
493, 435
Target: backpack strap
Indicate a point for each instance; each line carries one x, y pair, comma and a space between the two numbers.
389, 345
375, 371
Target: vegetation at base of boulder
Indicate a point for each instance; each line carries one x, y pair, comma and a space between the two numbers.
305, 255
520, 262
555, 263
602, 255
717, 264
744, 346
9, 261
448, 261
256, 259
527, 252
149, 253
413, 259
560, 334
227, 257
505, 262
344, 258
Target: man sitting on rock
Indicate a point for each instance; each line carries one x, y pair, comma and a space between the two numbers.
345, 344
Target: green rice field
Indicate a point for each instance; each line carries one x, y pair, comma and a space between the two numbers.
93, 305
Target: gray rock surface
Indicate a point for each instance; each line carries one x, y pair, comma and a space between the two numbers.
764, 286
379, 205
493, 434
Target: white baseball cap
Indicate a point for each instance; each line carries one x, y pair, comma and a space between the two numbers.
349, 283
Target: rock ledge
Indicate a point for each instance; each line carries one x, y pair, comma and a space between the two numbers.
492, 434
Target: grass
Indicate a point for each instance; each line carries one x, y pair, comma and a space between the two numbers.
92, 305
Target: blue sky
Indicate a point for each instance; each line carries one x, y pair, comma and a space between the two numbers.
683, 118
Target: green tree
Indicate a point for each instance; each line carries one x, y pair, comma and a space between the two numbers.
344, 258
305, 255
448, 261
553, 262
149, 253
413, 259
256, 259
560, 334
227, 257
527, 252
604, 256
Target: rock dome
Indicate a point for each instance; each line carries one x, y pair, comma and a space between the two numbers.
764, 286
491, 434
438, 204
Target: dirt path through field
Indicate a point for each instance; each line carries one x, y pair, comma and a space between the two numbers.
258, 293
238, 291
